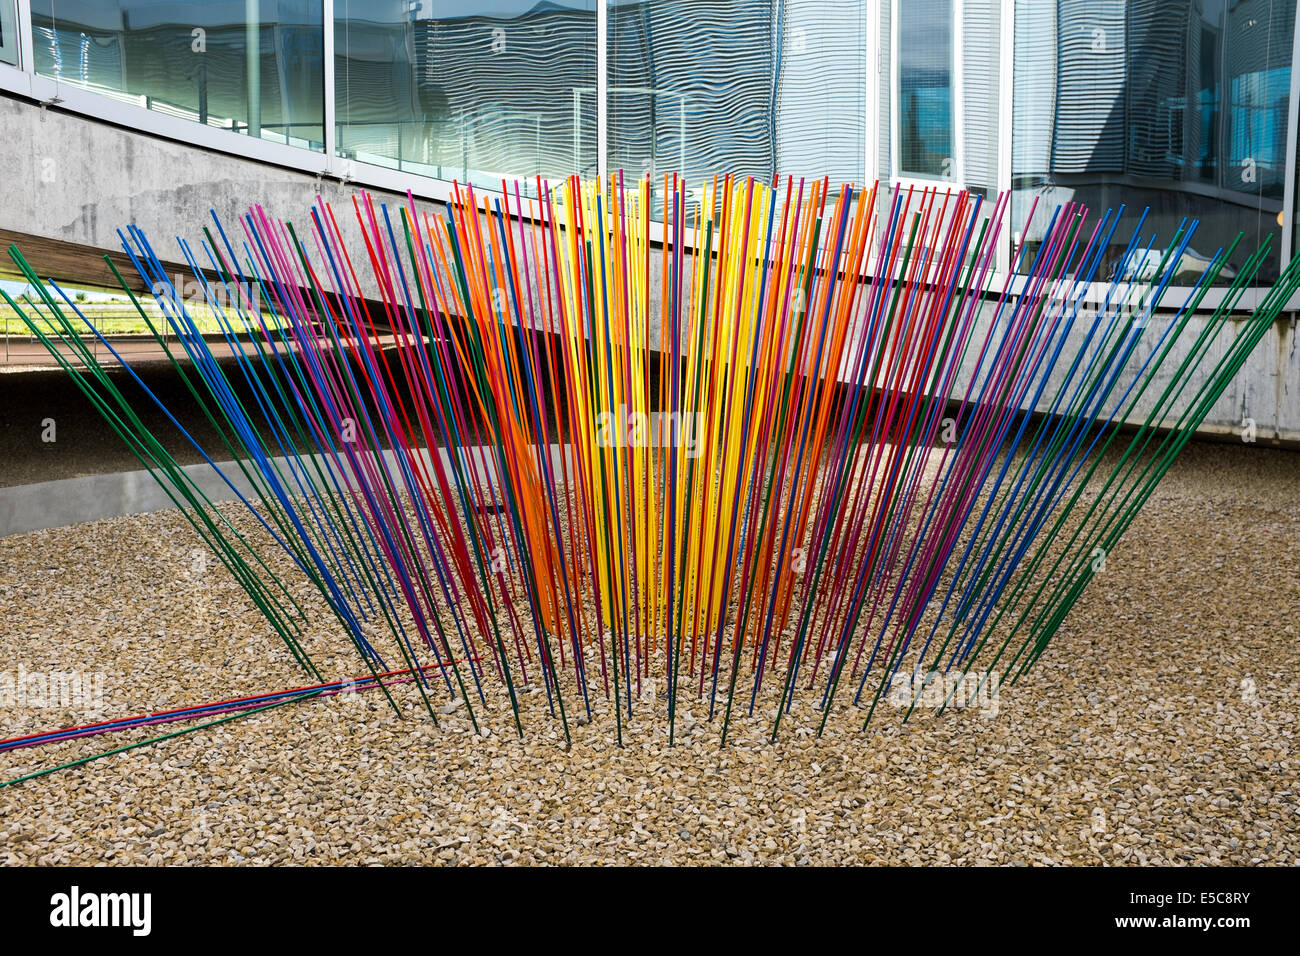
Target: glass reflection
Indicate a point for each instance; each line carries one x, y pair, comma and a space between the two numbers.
253, 67
470, 91
1179, 106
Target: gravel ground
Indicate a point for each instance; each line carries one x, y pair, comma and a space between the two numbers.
1158, 728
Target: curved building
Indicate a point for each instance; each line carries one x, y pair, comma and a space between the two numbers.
155, 111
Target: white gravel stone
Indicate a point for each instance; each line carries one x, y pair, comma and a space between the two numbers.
1159, 728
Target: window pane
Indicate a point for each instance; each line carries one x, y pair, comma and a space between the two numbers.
925, 67
199, 61
434, 87
8, 33
705, 87
980, 129
1178, 105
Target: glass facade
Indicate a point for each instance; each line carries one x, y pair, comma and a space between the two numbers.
1176, 106
468, 91
254, 67
753, 87
1180, 107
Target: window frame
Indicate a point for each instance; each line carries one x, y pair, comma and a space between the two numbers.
1290, 209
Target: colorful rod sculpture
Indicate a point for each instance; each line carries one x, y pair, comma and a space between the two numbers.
790, 440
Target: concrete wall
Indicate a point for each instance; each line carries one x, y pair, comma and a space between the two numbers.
54, 504
68, 183
1266, 390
